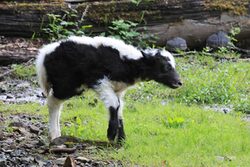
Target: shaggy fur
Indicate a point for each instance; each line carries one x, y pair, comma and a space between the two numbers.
106, 65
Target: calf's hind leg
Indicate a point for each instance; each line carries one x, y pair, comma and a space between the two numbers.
121, 132
54, 106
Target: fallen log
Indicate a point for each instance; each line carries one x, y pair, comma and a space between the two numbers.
193, 20
9, 59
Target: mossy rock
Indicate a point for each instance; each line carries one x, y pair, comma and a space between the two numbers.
238, 7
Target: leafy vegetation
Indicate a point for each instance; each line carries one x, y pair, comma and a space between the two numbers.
127, 31
68, 24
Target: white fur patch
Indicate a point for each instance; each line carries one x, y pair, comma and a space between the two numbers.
170, 56
164, 53
126, 51
83, 40
120, 111
151, 52
41, 72
106, 93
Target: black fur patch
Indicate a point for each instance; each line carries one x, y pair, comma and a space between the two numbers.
121, 132
113, 124
72, 65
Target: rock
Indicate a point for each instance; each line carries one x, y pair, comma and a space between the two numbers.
82, 159
176, 43
3, 162
220, 158
60, 161
22, 131
225, 158
62, 150
17, 124
226, 110
17, 153
2, 136
70, 162
219, 39
29, 146
34, 129
27, 160
2, 90
64, 139
10, 96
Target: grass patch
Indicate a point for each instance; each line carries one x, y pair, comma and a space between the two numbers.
206, 82
173, 134
23, 71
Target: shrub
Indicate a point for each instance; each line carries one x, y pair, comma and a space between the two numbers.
127, 31
62, 26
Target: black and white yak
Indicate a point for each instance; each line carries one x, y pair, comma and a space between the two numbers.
106, 65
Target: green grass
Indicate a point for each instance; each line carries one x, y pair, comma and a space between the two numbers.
167, 127
23, 71
198, 138
206, 82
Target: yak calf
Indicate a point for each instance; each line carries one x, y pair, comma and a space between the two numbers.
106, 65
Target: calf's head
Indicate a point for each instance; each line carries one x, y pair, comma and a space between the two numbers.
161, 67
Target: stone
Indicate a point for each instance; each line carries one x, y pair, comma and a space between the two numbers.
219, 39
2, 90
82, 159
2, 136
176, 43
21, 130
27, 160
17, 124
34, 129
64, 139
3, 162
62, 150
10, 96
60, 161
220, 158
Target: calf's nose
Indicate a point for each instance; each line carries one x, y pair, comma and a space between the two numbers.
179, 83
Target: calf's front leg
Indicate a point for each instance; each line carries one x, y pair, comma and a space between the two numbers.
112, 103
113, 123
